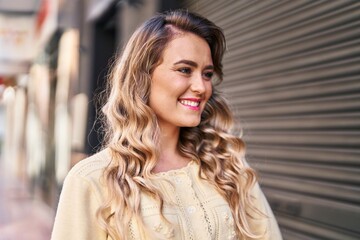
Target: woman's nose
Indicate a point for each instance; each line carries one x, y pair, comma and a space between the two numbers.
197, 84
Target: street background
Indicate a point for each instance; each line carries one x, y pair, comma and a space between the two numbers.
292, 78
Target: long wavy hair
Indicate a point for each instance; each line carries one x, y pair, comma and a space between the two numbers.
133, 132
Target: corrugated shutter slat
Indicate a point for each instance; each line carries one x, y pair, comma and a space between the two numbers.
292, 76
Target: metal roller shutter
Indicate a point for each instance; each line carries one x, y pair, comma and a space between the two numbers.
292, 76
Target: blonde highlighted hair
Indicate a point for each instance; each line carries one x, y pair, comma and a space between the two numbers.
132, 129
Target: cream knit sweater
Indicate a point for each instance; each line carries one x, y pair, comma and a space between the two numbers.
194, 208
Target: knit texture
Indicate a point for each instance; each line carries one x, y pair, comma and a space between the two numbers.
193, 208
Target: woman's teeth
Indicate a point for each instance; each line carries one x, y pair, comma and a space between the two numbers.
190, 103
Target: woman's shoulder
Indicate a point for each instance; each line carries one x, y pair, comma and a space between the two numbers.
92, 166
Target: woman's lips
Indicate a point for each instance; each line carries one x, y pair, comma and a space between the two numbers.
192, 103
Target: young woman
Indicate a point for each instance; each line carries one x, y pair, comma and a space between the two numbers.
171, 168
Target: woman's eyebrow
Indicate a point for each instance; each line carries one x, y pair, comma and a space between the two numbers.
192, 63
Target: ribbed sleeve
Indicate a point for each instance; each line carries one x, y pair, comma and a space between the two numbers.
79, 200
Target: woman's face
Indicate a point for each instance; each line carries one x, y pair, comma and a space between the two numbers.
181, 84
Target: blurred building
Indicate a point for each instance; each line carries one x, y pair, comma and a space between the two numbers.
25, 29
292, 74
54, 60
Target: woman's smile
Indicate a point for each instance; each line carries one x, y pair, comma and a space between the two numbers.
191, 103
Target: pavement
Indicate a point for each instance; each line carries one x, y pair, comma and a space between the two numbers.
22, 215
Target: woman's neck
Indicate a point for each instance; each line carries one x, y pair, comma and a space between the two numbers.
169, 154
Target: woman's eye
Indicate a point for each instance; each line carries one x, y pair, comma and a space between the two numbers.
208, 75
185, 70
